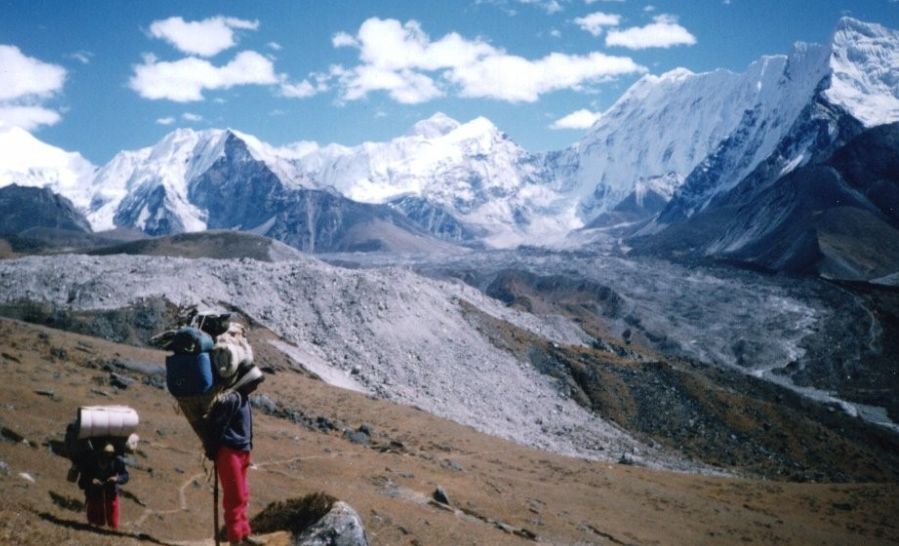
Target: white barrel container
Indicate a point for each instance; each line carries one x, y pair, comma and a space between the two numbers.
96, 421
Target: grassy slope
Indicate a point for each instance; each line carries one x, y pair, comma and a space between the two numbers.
561, 500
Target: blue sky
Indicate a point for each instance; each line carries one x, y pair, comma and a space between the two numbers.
102, 76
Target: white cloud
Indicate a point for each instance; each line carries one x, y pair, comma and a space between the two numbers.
317, 82
186, 79
549, 6
650, 8
404, 86
25, 84
189, 116
275, 46
581, 119
83, 57
342, 39
403, 61
22, 76
296, 150
595, 22
27, 117
555, 33
664, 31
516, 79
299, 90
205, 38
166, 121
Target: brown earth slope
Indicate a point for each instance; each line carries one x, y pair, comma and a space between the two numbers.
497, 488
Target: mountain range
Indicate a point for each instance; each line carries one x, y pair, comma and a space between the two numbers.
708, 165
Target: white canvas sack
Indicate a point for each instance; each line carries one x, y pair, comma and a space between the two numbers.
96, 421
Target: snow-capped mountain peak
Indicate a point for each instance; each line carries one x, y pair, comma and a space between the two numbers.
138, 186
163, 170
435, 126
27, 161
864, 63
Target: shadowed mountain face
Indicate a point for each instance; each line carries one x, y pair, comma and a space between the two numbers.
23, 208
242, 193
837, 218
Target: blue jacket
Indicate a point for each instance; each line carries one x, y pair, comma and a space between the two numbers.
229, 423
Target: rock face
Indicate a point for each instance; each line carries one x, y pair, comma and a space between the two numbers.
837, 216
342, 526
23, 208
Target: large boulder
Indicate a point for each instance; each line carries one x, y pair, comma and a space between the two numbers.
341, 526
317, 519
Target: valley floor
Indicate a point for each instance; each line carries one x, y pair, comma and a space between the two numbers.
501, 492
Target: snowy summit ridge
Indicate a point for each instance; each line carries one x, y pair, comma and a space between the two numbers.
864, 63
679, 136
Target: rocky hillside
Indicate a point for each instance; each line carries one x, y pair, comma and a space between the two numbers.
386, 460
551, 370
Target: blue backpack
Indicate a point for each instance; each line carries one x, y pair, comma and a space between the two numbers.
189, 374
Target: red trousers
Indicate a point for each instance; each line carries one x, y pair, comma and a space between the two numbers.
102, 508
232, 469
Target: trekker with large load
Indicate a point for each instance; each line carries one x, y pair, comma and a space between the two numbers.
102, 473
211, 375
96, 442
229, 442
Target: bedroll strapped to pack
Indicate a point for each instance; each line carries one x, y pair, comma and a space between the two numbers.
231, 351
99, 421
96, 426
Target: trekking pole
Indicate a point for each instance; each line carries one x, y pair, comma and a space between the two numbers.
105, 516
215, 502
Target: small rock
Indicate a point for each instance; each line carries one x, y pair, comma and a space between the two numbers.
441, 496
324, 424
357, 437
264, 403
626, 458
45, 392
27, 477
4, 468
11, 435
120, 381
452, 465
365, 429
